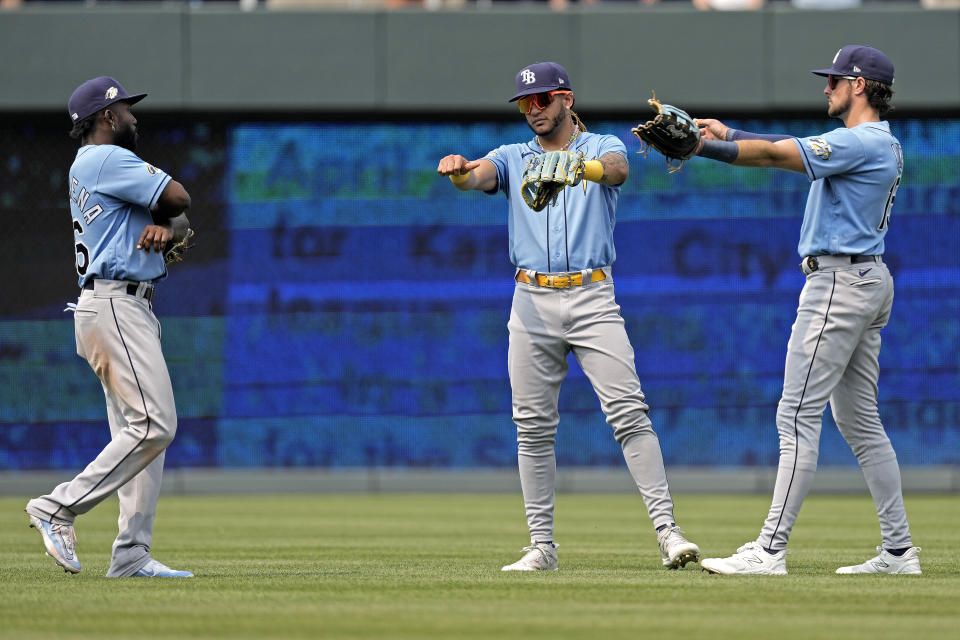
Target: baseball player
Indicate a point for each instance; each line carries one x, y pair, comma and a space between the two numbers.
834, 346
564, 301
125, 212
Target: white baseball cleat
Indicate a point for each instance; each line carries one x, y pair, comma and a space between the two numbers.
60, 541
676, 550
539, 556
154, 569
750, 559
886, 562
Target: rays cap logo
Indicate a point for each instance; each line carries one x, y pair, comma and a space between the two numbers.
96, 94
540, 77
860, 61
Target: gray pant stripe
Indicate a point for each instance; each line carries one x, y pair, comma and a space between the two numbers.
796, 431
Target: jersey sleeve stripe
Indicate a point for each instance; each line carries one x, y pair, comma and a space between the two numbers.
156, 194
806, 161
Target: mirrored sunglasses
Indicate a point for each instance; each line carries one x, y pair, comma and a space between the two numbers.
539, 100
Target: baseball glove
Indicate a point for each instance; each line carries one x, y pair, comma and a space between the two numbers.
177, 250
672, 132
546, 175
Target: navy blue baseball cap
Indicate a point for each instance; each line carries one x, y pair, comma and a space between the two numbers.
540, 77
860, 61
99, 93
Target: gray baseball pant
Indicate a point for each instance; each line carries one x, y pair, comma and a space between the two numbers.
545, 325
119, 336
833, 356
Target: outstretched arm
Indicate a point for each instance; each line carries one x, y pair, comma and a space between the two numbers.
715, 130
469, 175
614, 169
782, 154
762, 153
720, 142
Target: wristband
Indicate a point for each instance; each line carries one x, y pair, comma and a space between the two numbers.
459, 178
719, 150
593, 170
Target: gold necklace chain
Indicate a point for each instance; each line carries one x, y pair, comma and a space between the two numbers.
573, 136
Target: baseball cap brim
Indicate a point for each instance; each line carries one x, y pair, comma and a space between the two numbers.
131, 99
827, 72
542, 89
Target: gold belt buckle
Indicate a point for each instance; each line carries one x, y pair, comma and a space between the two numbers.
559, 282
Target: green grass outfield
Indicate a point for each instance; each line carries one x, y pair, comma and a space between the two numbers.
428, 566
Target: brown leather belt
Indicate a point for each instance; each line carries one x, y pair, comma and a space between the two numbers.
561, 281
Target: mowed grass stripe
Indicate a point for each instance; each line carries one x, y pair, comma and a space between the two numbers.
428, 566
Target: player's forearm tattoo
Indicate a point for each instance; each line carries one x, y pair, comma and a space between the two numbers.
615, 169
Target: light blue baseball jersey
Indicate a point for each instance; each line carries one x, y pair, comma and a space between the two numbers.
574, 234
111, 194
855, 174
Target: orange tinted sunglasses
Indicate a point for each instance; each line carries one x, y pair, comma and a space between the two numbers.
540, 100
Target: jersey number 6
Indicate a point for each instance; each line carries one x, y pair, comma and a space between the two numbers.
83, 254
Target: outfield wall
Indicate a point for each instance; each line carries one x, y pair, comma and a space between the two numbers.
345, 309
220, 58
